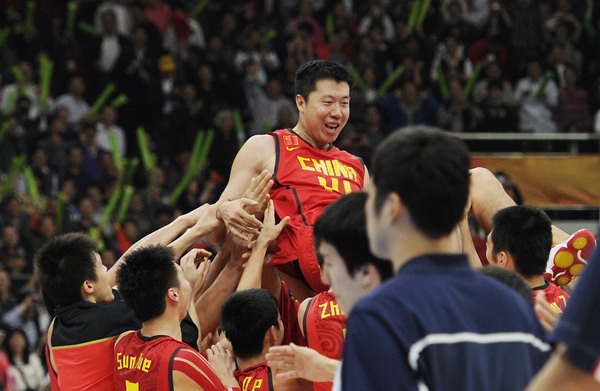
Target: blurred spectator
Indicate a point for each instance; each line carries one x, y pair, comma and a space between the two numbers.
493, 74
498, 116
456, 24
47, 178
121, 12
30, 316
109, 51
254, 51
55, 144
107, 126
450, 57
537, 97
526, 37
12, 246
6, 382
74, 101
225, 145
159, 13
11, 92
26, 368
475, 10
377, 16
92, 154
458, 115
12, 145
307, 21
409, 106
573, 107
7, 297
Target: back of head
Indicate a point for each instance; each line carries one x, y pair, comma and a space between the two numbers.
429, 170
309, 73
144, 279
246, 316
343, 225
510, 279
62, 265
526, 233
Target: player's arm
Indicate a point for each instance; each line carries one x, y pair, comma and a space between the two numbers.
302, 313
191, 372
291, 362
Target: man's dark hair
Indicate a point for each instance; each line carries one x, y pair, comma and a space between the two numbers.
309, 73
145, 278
62, 265
429, 169
510, 279
246, 316
343, 225
526, 233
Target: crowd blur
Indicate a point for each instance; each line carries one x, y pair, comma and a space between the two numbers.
181, 66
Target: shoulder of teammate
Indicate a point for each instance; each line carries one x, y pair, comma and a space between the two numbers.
191, 371
302, 314
122, 336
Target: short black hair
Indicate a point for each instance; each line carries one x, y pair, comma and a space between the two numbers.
343, 225
62, 265
145, 278
246, 316
510, 279
309, 73
526, 233
429, 169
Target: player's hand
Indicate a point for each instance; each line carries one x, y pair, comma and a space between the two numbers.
291, 362
237, 219
547, 315
259, 191
270, 231
221, 361
198, 214
195, 265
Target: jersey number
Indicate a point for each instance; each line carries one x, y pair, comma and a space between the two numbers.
335, 185
131, 386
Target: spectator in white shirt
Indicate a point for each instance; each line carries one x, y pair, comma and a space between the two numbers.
107, 126
74, 101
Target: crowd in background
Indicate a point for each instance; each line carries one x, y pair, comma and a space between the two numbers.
181, 66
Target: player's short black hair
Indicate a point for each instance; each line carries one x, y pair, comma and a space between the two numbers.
526, 233
145, 278
510, 279
62, 265
343, 225
429, 169
309, 73
246, 316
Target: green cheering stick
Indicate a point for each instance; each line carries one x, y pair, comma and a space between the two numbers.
3, 131
239, 126
549, 75
29, 16
32, 186
414, 14
198, 141
442, 82
60, 210
471, 83
125, 201
110, 207
102, 98
148, 159
46, 68
390, 81
88, 28
116, 153
199, 7
423, 11
71, 14
120, 100
360, 82
4, 33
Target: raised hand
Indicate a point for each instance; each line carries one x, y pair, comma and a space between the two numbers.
195, 265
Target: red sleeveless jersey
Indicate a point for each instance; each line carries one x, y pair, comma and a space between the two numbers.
556, 297
255, 378
324, 327
143, 363
307, 180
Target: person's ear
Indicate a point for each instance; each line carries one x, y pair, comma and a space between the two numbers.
87, 287
300, 103
396, 207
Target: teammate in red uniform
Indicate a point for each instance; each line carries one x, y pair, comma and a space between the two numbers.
154, 358
520, 240
308, 171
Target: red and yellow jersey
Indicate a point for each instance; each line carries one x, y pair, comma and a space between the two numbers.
556, 297
255, 378
306, 181
324, 329
148, 363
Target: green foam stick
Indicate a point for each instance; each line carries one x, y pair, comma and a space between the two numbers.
3, 130
181, 186
206, 146
442, 82
32, 186
4, 33
423, 11
9, 105
60, 210
239, 125
266, 126
116, 154
16, 165
71, 14
46, 68
360, 82
414, 14
548, 75
130, 167
471, 82
120, 100
125, 201
95, 109
195, 156
110, 207
390, 81
329, 25
29, 16
88, 28
147, 158
19, 78
95, 234
199, 7
269, 36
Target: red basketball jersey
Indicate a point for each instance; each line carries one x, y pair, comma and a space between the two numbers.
143, 363
556, 297
324, 328
255, 378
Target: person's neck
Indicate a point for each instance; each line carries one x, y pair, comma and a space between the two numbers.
244, 363
166, 324
299, 130
535, 281
409, 244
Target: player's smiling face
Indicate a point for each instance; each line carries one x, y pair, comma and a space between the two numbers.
325, 113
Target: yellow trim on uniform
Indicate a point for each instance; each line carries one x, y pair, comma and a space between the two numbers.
84, 344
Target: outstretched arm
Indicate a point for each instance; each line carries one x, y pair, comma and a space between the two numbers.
291, 361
